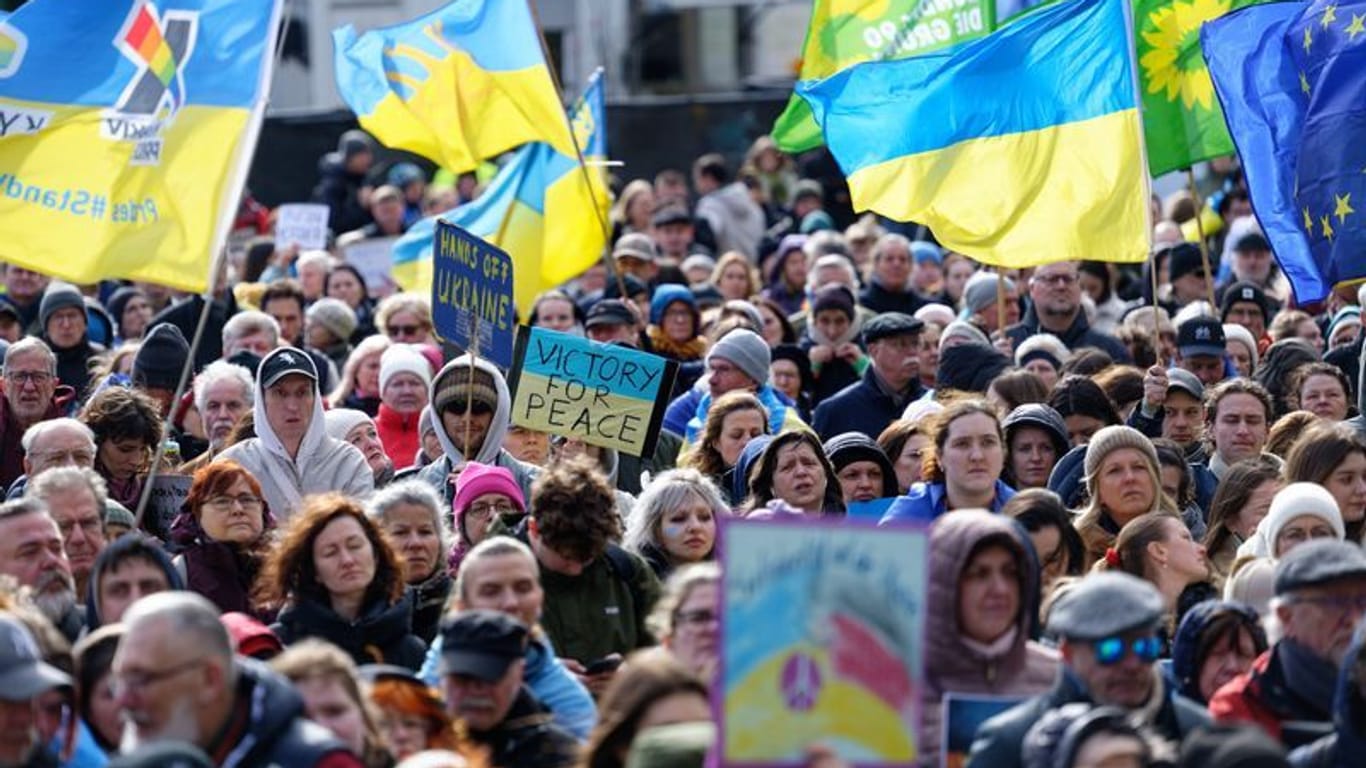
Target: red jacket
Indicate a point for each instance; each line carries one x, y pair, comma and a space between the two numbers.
399, 434
1262, 696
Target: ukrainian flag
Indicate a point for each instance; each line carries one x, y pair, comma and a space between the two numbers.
539, 208
464, 82
1019, 148
122, 128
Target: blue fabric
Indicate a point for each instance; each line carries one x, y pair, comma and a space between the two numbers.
87, 753
768, 396
926, 501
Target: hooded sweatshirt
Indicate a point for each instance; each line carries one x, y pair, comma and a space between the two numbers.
735, 219
1011, 666
322, 464
491, 451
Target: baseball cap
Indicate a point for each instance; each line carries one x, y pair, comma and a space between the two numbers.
609, 312
481, 644
23, 673
635, 245
285, 361
671, 214
1201, 336
1185, 381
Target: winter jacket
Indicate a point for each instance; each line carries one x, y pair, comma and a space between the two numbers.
382, 634
862, 407
340, 191
274, 732
834, 375
1345, 747
1264, 696
881, 299
782, 416
322, 463
429, 604
735, 219
222, 572
400, 434
12, 433
437, 473
999, 740
927, 501
73, 364
1078, 335
116, 550
1014, 666
528, 738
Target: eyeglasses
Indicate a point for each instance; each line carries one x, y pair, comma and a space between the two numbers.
140, 681
36, 378
245, 501
488, 510
698, 618
1058, 280
403, 330
1111, 650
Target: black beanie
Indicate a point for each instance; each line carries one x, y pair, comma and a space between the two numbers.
160, 358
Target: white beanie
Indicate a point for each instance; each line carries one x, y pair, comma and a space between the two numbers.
921, 409
1239, 333
1294, 500
402, 358
340, 421
936, 313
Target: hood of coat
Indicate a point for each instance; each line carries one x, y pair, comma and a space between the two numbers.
493, 439
316, 435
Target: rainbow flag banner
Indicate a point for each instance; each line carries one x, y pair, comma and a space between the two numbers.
126, 160
1019, 148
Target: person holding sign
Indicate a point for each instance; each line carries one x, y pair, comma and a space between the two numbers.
472, 409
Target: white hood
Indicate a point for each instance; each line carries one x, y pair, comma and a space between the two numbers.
493, 441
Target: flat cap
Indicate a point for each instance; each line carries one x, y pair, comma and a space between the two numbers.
1321, 561
1106, 604
481, 644
890, 324
671, 214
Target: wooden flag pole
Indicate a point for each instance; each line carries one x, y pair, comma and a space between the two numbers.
1200, 232
1157, 329
469, 396
1000, 302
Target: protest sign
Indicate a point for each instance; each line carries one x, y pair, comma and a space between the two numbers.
168, 494
472, 293
373, 258
301, 224
607, 395
963, 715
822, 634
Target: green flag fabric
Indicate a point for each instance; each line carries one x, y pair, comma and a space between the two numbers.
1182, 121
843, 33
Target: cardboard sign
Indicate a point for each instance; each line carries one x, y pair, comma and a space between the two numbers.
168, 494
607, 395
373, 258
963, 715
472, 287
822, 640
301, 224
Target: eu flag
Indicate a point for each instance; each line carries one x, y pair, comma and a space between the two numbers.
1292, 81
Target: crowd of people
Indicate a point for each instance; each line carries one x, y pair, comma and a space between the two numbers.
1144, 488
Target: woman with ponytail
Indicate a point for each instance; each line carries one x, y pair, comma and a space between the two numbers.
1158, 548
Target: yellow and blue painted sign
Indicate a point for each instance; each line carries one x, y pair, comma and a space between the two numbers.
472, 294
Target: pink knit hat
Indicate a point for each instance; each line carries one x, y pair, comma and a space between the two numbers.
478, 479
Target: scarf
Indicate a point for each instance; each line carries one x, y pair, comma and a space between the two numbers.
1309, 676
777, 413
692, 349
850, 334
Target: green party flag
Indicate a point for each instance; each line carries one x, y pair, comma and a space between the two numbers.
843, 33
1182, 121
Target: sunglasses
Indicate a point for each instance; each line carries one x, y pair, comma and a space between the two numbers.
478, 408
403, 330
1111, 650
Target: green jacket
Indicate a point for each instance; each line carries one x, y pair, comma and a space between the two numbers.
602, 610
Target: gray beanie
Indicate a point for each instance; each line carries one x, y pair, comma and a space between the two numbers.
962, 329
58, 295
1112, 438
747, 350
334, 315
979, 292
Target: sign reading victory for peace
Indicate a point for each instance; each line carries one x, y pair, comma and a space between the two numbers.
301, 224
610, 396
472, 286
840, 656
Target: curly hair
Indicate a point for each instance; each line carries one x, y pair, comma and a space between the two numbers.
573, 509
707, 459
289, 568
123, 413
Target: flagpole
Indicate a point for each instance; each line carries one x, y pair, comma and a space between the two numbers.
232, 190
1200, 231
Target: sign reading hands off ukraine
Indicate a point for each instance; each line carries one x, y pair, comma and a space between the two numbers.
607, 395
472, 286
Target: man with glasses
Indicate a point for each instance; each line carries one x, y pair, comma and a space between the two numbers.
1107, 630
54, 443
175, 679
75, 498
889, 384
29, 382
1320, 597
1055, 307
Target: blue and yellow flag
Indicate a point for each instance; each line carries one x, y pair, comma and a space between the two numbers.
465, 82
1017, 149
1292, 80
121, 133
539, 208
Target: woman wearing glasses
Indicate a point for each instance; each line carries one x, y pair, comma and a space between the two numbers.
406, 318
223, 533
483, 494
685, 618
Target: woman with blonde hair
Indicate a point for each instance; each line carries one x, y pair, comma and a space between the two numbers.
685, 617
674, 521
1123, 481
633, 208
735, 278
326, 679
406, 318
358, 388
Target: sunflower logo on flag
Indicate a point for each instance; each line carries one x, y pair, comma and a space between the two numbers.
1172, 64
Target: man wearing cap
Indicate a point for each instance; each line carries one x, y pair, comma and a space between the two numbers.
477, 408
864, 471
1108, 634
1173, 406
890, 383
1249, 254
24, 677
1320, 597
1245, 304
738, 361
483, 661
980, 299
292, 455
613, 321
1200, 349
405, 382
1055, 307
673, 231
32, 394
176, 679
634, 254
1186, 276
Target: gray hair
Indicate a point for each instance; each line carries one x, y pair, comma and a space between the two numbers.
66, 479
676, 591
887, 241
833, 260
221, 370
825, 243
414, 492
193, 621
494, 546
669, 491
247, 322
311, 258
21, 507
27, 346
36, 432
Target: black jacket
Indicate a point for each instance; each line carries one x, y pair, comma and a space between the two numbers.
381, 635
1075, 337
879, 299
528, 738
429, 603
861, 407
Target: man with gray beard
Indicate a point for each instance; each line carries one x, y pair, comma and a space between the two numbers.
31, 551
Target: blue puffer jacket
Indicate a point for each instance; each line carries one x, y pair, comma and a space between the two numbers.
1345, 746
926, 501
